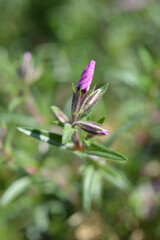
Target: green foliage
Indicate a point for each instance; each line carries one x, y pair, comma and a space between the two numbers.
88, 187
42, 187
67, 133
102, 151
42, 135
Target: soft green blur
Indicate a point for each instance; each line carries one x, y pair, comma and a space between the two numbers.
40, 186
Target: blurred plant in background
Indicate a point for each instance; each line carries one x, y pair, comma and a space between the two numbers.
76, 140
40, 186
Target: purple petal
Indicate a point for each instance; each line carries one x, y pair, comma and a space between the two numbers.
86, 77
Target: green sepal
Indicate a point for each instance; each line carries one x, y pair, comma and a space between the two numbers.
73, 88
101, 120
103, 89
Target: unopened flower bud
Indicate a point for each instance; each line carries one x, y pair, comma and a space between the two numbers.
91, 127
59, 115
26, 64
27, 71
86, 77
89, 101
82, 87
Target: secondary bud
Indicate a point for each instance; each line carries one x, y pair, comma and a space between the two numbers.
27, 71
86, 77
59, 115
91, 127
89, 101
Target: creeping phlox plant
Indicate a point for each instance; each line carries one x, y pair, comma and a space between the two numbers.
78, 133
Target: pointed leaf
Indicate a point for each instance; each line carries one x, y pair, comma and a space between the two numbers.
67, 133
102, 151
44, 136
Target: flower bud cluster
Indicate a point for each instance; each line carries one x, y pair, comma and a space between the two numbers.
84, 99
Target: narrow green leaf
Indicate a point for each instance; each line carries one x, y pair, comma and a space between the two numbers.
67, 133
88, 187
14, 190
102, 151
44, 136
101, 120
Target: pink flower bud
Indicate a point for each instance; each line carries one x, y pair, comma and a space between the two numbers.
86, 77
91, 127
27, 71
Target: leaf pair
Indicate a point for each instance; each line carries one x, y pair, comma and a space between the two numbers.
58, 140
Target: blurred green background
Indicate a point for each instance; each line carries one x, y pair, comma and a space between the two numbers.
40, 186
